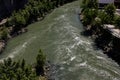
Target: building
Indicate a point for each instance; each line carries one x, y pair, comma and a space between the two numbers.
103, 3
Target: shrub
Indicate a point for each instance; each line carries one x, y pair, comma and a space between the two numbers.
110, 10
117, 22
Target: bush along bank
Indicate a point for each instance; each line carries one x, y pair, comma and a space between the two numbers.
33, 11
11, 70
94, 21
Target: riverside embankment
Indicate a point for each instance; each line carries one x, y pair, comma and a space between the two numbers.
106, 40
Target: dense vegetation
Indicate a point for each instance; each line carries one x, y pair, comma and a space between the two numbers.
93, 15
11, 70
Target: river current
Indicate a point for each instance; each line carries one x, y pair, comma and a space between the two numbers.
59, 36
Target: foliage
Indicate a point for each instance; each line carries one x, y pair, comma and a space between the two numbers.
89, 16
117, 22
3, 33
107, 15
105, 18
97, 22
18, 18
84, 4
11, 70
93, 4
110, 10
91, 12
40, 63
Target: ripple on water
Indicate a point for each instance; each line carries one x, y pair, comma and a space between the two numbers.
72, 58
18, 49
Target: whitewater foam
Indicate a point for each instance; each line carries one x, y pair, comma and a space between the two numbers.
60, 17
99, 57
72, 58
83, 64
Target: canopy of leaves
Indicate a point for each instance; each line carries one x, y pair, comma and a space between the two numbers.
93, 4
117, 22
89, 16
110, 9
41, 58
11, 70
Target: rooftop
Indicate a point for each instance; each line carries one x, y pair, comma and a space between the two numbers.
106, 1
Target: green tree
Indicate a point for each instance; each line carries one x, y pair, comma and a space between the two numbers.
104, 17
89, 16
40, 63
110, 10
93, 4
9, 71
117, 22
4, 33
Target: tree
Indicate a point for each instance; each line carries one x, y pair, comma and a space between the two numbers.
89, 16
84, 4
105, 19
4, 34
9, 71
110, 10
117, 22
93, 4
40, 63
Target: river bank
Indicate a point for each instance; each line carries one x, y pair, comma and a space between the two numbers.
103, 25
104, 39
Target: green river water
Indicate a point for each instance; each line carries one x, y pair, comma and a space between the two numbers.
59, 37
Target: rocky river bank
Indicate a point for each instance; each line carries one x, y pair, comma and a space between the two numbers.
105, 40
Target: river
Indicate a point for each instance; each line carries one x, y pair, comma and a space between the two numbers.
59, 37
